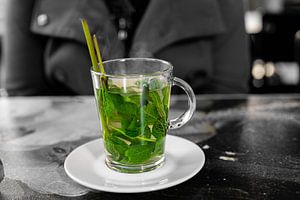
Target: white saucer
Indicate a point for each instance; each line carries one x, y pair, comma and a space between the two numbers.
86, 166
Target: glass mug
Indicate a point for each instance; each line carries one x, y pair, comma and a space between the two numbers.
133, 99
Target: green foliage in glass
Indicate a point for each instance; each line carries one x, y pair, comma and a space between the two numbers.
134, 123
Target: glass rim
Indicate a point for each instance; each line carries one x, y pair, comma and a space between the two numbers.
167, 70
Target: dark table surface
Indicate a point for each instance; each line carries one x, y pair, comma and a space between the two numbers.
251, 144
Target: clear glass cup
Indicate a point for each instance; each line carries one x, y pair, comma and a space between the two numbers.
133, 99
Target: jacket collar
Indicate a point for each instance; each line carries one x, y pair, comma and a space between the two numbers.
168, 21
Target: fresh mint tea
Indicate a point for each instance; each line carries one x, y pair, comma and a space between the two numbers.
133, 96
134, 120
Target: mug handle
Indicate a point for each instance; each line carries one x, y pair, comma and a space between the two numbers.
187, 115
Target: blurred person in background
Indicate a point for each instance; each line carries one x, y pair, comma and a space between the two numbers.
44, 49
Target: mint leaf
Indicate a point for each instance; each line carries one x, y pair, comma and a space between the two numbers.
110, 103
133, 129
159, 146
150, 113
146, 132
159, 129
166, 91
107, 105
158, 102
116, 99
137, 154
125, 122
128, 109
116, 147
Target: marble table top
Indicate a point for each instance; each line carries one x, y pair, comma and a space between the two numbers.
251, 143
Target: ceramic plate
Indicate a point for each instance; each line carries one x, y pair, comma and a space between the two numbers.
86, 166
